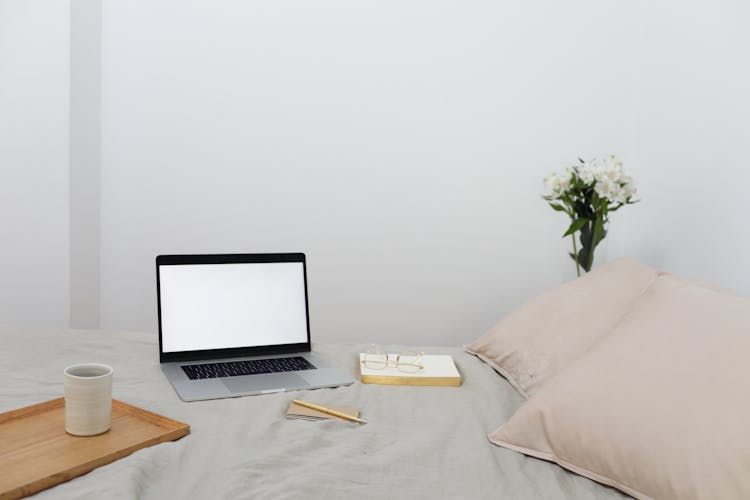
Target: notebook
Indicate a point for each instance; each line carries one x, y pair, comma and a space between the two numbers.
439, 370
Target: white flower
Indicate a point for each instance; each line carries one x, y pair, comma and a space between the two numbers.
605, 188
600, 170
618, 195
607, 176
553, 185
628, 184
629, 188
586, 172
611, 190
611, 169
566, 178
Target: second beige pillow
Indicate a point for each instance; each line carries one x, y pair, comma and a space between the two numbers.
659, 408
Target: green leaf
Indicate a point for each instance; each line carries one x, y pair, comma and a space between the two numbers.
575, 226
575, 259
598, 232
558, 207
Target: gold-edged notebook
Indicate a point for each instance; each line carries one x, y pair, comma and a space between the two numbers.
439, 370
301, 412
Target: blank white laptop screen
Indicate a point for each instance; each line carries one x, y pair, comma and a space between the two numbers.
219, 306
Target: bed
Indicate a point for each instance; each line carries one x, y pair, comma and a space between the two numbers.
631, 377
420, 442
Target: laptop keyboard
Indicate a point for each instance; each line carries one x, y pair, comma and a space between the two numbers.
246, 367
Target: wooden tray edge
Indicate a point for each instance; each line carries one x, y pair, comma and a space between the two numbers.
80, 470
31, 409
149, 416
176, 430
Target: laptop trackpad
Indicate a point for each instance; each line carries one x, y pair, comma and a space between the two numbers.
263, 382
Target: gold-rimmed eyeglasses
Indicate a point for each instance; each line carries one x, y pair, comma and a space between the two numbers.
377, 359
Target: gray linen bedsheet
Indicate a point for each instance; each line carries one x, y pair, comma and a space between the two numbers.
420, 442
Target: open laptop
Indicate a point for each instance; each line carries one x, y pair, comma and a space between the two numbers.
236, 325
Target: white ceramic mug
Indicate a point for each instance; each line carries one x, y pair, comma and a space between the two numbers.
88, 399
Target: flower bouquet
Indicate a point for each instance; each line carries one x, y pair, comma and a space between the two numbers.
588, 193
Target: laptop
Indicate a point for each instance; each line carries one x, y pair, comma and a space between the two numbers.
237, 325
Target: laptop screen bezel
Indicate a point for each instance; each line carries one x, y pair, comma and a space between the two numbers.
232, 352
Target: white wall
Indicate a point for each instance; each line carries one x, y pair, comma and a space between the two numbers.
34, 85
693, 131
401, 144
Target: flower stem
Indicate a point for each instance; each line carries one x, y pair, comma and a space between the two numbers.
575, 253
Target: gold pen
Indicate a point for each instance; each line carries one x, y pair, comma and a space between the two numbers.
328, 411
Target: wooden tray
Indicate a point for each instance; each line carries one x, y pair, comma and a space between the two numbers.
36, 452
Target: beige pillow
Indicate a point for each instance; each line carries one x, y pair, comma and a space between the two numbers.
660, 407
537, 340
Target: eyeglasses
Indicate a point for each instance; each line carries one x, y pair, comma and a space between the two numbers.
407, 362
